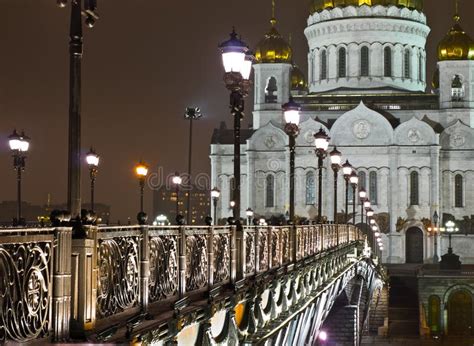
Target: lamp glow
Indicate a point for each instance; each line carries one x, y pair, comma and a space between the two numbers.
321, 140
177, 180
92, 158
347, 169
215, 193
354, 179
363, 194
336, 157
141, 170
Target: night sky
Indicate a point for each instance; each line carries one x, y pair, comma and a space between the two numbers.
144, 62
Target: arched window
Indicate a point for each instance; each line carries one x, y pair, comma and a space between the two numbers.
324, 65
271, 91
270, 191
231, 189
387, 62
406, 64
458, 191
341, 70
457, 89
414, 188
373, 188
310, 189
364, 61
434, 313
350, 194
362, 181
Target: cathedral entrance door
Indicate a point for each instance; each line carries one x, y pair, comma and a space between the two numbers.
459, 313
414, 245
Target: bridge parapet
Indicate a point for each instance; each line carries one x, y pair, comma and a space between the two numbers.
112, 277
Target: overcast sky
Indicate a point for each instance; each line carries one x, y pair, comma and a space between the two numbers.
144, 62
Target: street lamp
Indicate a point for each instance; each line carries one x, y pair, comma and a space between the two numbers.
362, 198
215, 194
92, 160
321, 141
249, 213
238, 67
177, 180
336, 160
291, 112
79, 8
450, 229
19, 145
354, 179
347, 170
191, 113
141, 171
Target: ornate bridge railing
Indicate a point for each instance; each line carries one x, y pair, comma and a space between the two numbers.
111, 274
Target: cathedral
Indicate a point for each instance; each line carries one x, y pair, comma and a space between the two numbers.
409, 136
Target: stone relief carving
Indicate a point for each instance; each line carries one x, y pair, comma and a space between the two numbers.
309, 137
414, 135
457, 140
361, 129
270, 142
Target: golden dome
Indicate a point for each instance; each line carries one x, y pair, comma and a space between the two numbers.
456, 45
319, 5
298, 80
273, 48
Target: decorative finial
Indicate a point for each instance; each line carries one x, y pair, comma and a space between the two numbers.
273, 20
456, 16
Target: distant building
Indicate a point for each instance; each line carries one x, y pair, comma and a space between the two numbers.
164, 203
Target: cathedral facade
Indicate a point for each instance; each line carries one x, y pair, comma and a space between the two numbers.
409, 137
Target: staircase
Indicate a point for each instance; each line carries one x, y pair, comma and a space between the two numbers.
403, 310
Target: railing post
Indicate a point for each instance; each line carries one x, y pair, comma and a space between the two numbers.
182, 261
293, 243
210, 257
233, 251
241, 253
269, 246
62, 283
84, 262
257, 250
337, 234
144, 267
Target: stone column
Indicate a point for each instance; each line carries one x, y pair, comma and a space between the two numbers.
435, 180
84, 282
61, 301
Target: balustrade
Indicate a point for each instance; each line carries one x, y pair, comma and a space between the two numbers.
113, 270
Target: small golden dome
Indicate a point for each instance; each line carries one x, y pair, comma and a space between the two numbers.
273, 48
456, 45
320, 5
298, 80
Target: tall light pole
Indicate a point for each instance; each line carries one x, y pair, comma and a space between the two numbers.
141, 171
78, 9
215, 194
362, 198
321, 141
336, 159
19, 145
191, 113
291, 112
347, 170
238, 67
354, 179
435, 220
177, 180
92, 160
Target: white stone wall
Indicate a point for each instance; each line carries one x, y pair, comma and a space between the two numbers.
332, 30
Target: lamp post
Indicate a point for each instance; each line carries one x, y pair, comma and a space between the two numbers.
362, 198
19, 145
370, 213
78, 9
336, 159
354, 179
141, 171
347, 170
191, 113
435, 220
92, 160
321, 141
177, 180
450, 229
215, 194
249, 213
238, 67
291, 112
